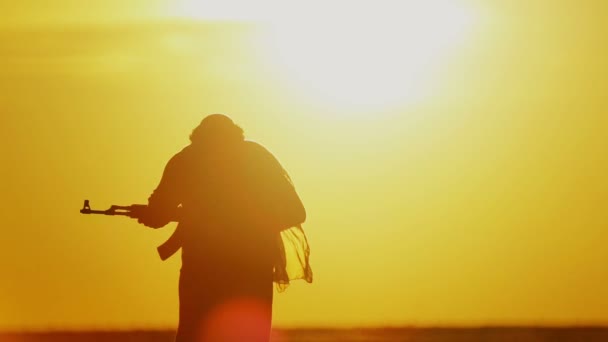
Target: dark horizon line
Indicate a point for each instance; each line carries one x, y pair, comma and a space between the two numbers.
571, 326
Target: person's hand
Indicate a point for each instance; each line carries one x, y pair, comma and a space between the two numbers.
155, 224
151, 218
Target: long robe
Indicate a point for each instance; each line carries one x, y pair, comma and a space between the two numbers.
239, 231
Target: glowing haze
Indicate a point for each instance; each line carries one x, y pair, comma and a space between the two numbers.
357, 57
451, 154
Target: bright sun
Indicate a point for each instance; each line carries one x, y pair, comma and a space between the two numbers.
352, 55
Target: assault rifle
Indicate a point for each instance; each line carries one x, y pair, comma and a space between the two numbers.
132, 211
166, 250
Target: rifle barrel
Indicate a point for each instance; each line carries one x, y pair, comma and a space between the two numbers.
104, 212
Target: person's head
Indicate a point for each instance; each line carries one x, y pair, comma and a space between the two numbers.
217, 128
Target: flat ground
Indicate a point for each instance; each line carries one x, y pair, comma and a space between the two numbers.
512, 334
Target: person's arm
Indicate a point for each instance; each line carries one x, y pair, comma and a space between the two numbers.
164, 200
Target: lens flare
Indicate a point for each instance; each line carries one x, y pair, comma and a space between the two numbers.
242, 319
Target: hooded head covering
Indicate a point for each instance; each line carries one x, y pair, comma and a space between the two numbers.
216, 128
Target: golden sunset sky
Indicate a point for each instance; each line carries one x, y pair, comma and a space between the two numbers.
452, 155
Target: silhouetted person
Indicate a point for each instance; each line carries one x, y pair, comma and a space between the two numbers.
239, 230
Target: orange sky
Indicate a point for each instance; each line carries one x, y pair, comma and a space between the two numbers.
480, 200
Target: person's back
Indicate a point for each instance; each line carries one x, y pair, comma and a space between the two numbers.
230, 193
222, 225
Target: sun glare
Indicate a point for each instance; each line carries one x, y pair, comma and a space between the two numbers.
369, 61
232, 10
352, 56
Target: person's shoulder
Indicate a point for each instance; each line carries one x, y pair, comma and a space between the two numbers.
180, 157
183, 153
255, 147
261, 153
